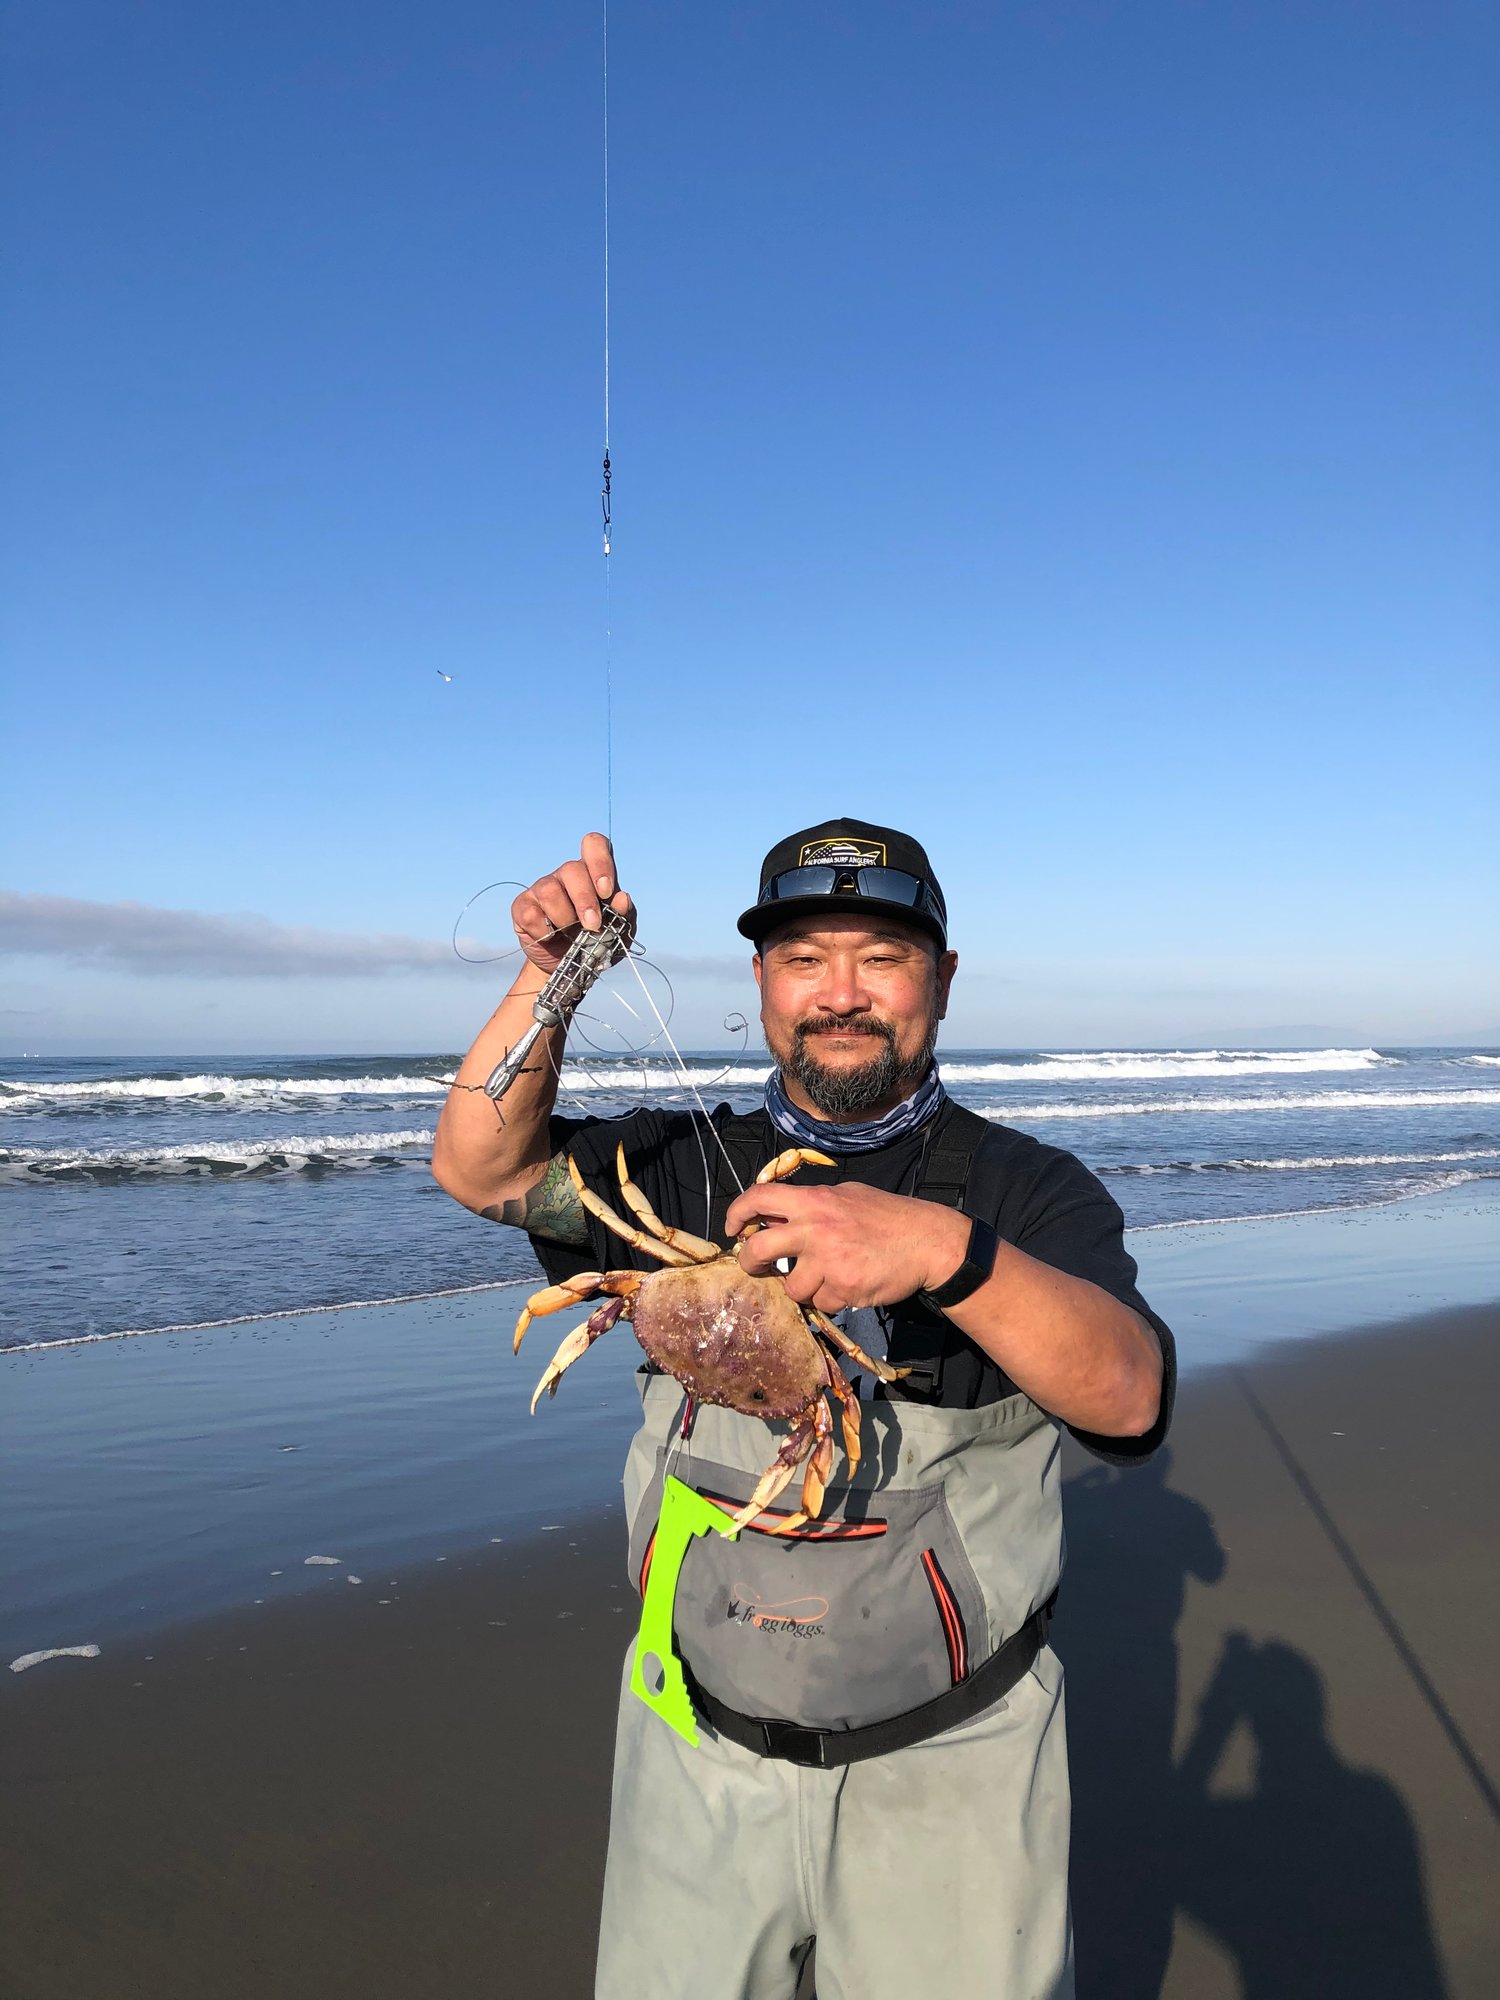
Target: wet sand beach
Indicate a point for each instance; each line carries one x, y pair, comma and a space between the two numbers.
1279, 1639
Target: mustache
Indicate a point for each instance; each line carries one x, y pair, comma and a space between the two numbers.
862, 1025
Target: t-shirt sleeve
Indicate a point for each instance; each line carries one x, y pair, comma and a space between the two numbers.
1070, 1221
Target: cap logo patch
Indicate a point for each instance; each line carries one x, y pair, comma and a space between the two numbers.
840, 852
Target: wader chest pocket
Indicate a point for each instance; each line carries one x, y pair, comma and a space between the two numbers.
851, 1620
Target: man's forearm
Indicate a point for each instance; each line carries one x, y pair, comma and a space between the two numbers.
1082, 1355
484, 1151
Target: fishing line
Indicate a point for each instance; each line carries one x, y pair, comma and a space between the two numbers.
687, 1078
604, 496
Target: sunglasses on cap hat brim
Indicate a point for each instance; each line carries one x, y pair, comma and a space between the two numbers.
880, 885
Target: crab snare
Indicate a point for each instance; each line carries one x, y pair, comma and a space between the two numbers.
590, 954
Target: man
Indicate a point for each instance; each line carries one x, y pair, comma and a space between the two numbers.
881, 1766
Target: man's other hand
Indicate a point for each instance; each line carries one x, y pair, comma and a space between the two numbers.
849, 1245
549, 915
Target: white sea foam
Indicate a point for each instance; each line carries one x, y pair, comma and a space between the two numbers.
227, 1090
1311, 1163
626, 1075
296, 1155
1135, 1065
262, 1092
1435, 1184
1039, 1110
1493, 1062
53, 1653
280, 1312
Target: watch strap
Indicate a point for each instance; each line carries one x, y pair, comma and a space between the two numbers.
978, 1263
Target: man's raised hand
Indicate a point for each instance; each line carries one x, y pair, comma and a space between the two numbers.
849, 1245
549, 914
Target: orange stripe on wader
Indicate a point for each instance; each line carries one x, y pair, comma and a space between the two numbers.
952, 1617
815, 1531
646, 1561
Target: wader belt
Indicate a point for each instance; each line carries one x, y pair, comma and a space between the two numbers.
823, 1749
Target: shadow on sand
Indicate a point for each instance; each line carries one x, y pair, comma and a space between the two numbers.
1309, 1875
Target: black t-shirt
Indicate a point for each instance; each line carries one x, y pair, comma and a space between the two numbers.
1038, 1198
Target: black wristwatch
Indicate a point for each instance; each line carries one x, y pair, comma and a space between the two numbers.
979, 1262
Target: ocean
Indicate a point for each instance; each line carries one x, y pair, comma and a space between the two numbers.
138, 1197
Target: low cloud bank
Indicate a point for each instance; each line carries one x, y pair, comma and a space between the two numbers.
138, 938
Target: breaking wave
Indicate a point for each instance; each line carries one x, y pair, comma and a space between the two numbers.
261, 1093
1135, 1065
1310, 1163
615, 1074
217, 1160
1319, 1100
627, 1077
256, 1091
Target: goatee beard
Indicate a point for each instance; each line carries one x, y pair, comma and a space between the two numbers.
845, 1093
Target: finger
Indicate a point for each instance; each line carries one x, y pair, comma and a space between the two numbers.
579, 884
759, 1254
771, 1203
829, 1299
621, 902
533, 922
599, 861
558, 910
806, 1280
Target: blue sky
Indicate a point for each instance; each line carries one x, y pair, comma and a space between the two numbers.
1066, 431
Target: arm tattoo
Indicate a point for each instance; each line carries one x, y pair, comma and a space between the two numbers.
550, 1208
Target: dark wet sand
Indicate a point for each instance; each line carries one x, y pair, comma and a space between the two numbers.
337, 1797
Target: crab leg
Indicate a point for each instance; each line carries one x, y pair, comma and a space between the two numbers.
815, 1479
788, 1163
881, 1369
819, 1466
696, 1247
578, 1342
572, 1291
779, 1472
778, 1169
554, 1298
637, 1238
848, 1411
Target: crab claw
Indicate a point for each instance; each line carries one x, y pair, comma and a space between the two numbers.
578, 1342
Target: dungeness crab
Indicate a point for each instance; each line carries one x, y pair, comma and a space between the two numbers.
739, 1341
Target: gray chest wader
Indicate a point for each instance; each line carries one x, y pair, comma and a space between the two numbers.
922, 1594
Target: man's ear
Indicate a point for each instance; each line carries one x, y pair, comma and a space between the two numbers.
947, 965
759, 972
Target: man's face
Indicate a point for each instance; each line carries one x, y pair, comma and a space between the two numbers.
850, 1010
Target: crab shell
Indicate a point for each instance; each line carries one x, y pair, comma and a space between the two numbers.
729, 1338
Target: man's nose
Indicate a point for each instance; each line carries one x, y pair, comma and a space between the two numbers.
841, 990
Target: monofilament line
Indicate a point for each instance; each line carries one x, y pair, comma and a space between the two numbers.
685, 1073
609, 692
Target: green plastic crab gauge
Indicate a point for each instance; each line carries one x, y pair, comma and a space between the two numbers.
656, 1673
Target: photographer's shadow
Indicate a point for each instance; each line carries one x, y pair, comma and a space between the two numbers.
1133, 1543
1310, 1879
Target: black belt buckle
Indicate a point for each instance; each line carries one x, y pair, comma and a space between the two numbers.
796, 1746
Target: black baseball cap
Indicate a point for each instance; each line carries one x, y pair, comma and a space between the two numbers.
846, 864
